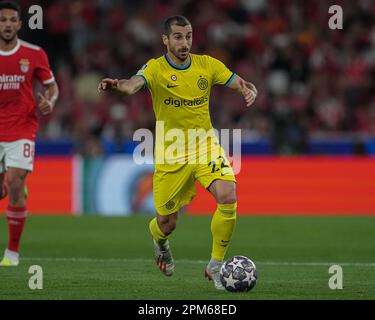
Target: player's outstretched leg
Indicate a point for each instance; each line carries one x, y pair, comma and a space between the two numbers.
16, 216
222, 227
162, 251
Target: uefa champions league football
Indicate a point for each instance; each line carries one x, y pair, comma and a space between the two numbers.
238, 274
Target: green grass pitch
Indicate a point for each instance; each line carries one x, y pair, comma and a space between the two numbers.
111, 258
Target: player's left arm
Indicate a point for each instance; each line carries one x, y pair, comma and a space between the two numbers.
44, 74
245, 88
48, 99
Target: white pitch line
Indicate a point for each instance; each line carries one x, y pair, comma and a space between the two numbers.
269, 263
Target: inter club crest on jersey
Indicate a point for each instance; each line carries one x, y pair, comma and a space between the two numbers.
24, 65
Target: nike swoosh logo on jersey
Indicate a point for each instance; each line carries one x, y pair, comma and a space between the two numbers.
172, 85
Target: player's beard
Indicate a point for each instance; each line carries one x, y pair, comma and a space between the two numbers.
178, 54
8, 39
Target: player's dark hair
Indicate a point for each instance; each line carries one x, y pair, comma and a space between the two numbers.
11, 5
175, 20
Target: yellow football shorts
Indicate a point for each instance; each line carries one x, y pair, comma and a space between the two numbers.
174, 185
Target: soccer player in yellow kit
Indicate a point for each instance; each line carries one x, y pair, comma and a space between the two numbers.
180, 84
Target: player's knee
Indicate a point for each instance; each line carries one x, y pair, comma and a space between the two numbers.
15, 187
227, 195
168, 227
228, 199
224, 191
168, 223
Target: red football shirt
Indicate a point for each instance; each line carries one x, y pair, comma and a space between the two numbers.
18, 69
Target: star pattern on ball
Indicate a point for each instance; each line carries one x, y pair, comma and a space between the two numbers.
236, 263
252, 275
230, 281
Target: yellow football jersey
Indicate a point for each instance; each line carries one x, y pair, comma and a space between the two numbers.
180, 98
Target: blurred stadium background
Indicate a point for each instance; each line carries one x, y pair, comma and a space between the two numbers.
316, 99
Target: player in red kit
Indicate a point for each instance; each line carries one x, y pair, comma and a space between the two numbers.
20, 64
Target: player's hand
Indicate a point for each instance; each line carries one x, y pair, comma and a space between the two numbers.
45, 105
107, 84
249, 92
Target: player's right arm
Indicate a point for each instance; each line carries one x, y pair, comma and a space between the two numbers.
124, 87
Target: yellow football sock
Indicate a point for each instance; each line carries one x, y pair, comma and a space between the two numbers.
222, 226
157, 234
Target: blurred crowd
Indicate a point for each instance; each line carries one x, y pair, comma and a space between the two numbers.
312, 81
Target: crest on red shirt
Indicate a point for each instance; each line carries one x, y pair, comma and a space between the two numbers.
24, 65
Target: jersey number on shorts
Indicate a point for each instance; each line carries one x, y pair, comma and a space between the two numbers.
28, 150
221, 162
